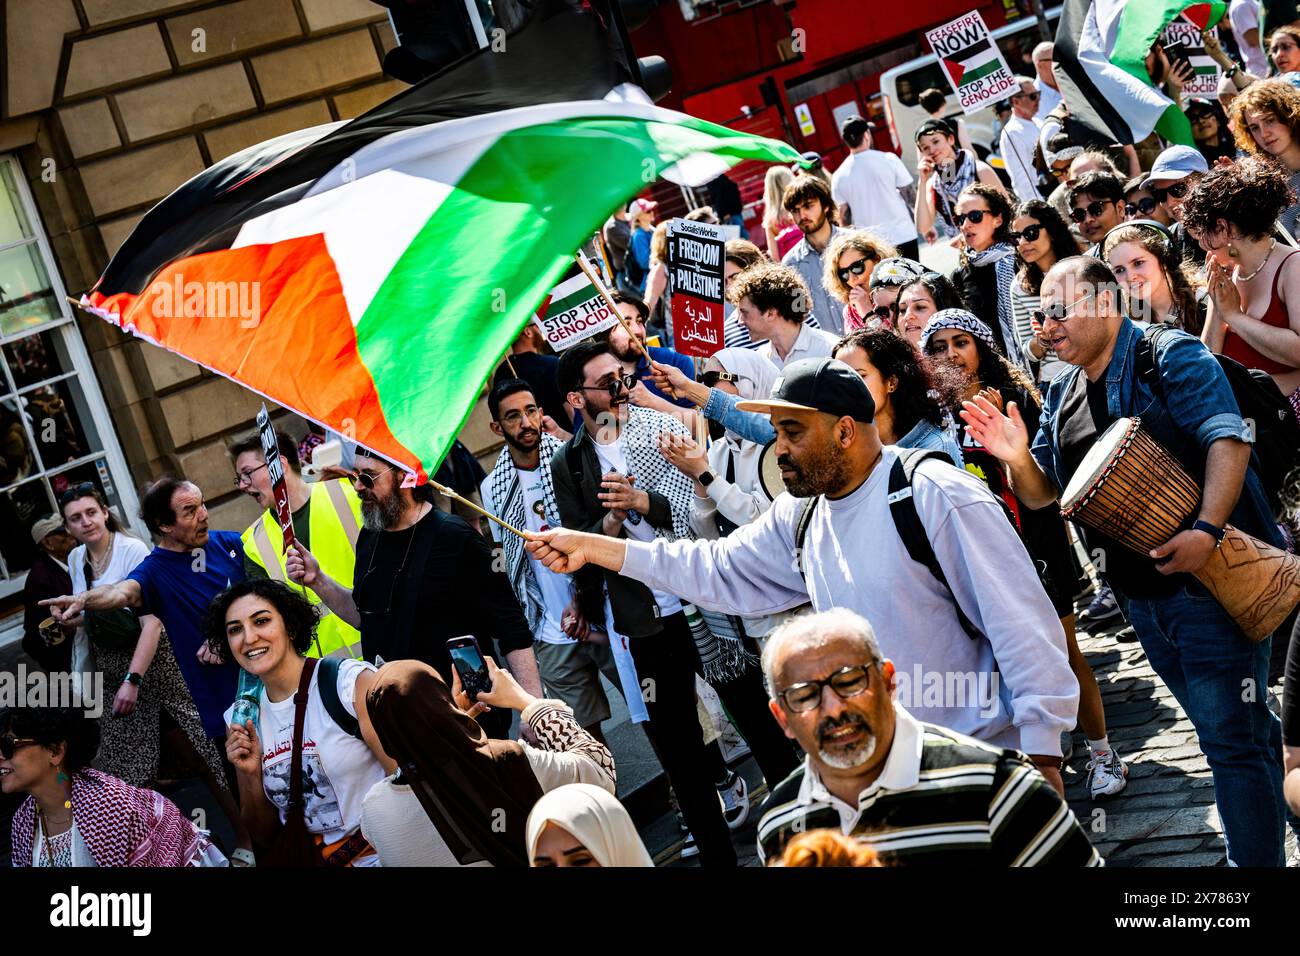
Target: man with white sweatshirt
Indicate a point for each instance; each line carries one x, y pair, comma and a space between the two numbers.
988, 633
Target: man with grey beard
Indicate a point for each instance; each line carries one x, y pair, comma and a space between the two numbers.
422, 577
919, 794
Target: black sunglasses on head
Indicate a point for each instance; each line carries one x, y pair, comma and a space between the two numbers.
1090, 211
1028, 234
1177, 190
83, 490
855, 269
1146, 206
975, 215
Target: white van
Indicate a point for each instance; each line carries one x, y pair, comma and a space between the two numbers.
901, 85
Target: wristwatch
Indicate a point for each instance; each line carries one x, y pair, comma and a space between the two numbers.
706, 479
1215, 532
133, 679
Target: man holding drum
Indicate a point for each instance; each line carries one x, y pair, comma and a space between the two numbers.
1216, 672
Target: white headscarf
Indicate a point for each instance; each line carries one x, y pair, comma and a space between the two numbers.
757, 376
595, 818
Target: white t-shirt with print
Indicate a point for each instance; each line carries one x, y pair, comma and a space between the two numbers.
556, 593
613, 457
127, 553
338, 769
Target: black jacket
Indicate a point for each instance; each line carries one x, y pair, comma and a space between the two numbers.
576, 473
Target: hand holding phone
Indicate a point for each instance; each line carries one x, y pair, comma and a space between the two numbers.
467, 660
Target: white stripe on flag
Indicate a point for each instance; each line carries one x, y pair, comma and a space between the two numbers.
1141, 105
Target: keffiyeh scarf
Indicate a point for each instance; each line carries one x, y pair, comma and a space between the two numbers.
957, 319
1002, 256
949, 182
121, 824
506, 501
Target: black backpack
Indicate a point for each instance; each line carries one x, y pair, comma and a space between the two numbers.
1277, 433
328, 683
906, 522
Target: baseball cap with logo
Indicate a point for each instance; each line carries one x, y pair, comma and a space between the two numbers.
817, 385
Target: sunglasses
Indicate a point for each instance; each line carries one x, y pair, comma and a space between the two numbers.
855, 269
81, 491
10, 745
1060, 172
1144, 206
245, 477
1028, 234
846, 682
1177, 191
1031, 95
712, 378
367, 478
1090, 211
975, 215
1057, 312
615, 387
885, 312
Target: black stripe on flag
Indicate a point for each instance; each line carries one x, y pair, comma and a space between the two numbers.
1087, 106
966, 52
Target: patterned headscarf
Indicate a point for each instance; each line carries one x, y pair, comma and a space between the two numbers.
957, 319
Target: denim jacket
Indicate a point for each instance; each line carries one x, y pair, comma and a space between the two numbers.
751, 426
1198, 409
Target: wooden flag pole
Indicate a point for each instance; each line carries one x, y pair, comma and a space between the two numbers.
585, 266
448, 493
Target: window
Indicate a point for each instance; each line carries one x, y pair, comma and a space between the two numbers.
54, 428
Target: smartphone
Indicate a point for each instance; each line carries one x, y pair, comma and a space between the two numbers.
1177, 52
469, 664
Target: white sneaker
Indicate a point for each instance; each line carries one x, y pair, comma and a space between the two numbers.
689, 849
735, 801
1107, 774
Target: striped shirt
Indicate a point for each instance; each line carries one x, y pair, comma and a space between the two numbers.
941, 799
735, 335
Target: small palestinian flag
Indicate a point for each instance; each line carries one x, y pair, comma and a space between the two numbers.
394, 258
973, 62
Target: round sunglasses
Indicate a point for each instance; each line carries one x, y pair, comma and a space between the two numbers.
1177, 191
1028, 234
1146, 206
1090, 211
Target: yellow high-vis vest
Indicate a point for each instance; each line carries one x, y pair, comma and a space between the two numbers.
334, 520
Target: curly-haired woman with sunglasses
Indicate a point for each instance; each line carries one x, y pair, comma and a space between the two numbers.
1042, 238
988, 264
850, 259
76, 816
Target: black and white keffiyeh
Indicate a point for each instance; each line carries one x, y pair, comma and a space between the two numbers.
961, 319
1002, 257
505, 499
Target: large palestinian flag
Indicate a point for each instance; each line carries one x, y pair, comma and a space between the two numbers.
393, 259
1101, 49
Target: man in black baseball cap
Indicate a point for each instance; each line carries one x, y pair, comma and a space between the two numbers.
840, 539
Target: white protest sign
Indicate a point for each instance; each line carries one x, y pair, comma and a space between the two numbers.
696, 253
1205, 81
574, 311
972, 62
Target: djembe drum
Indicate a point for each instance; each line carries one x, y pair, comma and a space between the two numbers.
1130, 488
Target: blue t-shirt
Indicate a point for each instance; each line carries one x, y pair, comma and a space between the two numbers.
665, 357
178, 595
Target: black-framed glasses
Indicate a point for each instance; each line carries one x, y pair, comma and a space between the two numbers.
1177, 190
245, 477
847, 682
367, 478
975, 215
1058, 311
1146, 206
10, 745
616, 387
711, 378
1030, 94
854, 269
1090, 211
513, 418
83, 490
886, 312
1029, 233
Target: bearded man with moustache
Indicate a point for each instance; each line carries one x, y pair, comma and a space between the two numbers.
852, 556
422, 577
916, 793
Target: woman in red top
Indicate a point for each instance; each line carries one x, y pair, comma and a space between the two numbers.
1254, 282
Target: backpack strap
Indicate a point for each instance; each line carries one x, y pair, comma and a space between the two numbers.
907, 522
1148, 371
328, 682
299, 721
801, 532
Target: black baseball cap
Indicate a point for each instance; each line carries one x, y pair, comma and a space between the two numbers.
935, 126
817, 385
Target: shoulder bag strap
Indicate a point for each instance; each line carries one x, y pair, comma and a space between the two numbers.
299, 719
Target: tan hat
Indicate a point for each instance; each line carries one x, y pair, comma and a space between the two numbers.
44, 527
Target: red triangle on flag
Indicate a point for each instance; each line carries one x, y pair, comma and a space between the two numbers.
541, 309
956, 70
1199, 13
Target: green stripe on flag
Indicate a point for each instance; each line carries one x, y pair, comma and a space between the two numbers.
979, 72
502, 239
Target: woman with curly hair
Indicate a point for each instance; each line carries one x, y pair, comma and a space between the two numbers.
76, 816
1254, 284
1042, 239
988, 264
968, 365
1157, 285
266, 628
907, 413
850, 259
1266, 123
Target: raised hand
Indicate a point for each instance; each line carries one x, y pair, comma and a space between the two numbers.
1004, 436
